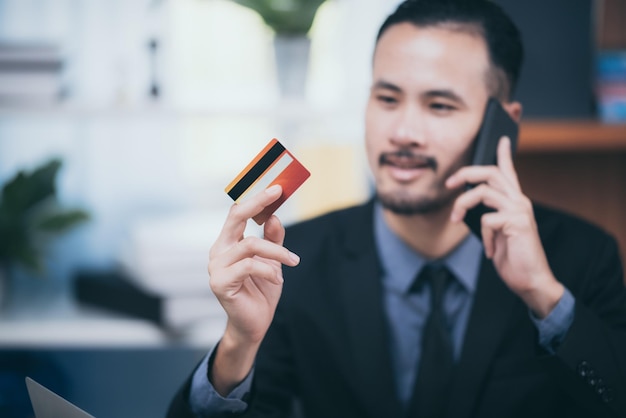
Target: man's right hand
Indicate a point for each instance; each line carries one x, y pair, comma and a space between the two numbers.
246, 277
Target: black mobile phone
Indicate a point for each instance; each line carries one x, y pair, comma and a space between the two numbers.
496, 124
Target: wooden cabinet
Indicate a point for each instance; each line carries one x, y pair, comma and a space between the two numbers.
577, 166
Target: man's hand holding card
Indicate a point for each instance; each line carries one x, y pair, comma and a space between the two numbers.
246, 272
273, 165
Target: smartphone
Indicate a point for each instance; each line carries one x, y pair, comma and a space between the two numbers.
496, 124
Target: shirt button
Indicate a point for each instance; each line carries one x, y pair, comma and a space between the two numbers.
583, 369
607, 395
591, 378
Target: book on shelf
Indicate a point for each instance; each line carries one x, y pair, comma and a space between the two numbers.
611, 85
158, 248
113, 291
153, 270
30, 73
162, 270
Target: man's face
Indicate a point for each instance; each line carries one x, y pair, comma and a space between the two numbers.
425, 107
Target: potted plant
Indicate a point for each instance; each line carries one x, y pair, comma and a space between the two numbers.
286, 17
30, 213
290, 20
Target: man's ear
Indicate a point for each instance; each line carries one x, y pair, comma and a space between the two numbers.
514, 109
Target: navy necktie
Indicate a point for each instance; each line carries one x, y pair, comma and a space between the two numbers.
437, 359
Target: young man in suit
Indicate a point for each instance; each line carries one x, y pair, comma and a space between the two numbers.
394, 308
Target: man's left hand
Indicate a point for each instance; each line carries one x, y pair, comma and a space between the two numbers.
510, 234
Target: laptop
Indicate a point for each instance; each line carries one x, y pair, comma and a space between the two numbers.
48, 404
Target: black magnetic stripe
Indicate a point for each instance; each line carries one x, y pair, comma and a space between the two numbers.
246, 181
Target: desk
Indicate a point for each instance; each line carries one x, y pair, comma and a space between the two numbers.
109, 365
51, 318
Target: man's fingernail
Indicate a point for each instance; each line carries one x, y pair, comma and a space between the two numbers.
294, 257
273, 189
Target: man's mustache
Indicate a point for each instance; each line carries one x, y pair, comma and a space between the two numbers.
406, 158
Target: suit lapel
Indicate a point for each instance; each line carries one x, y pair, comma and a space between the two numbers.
488, 323
361, 290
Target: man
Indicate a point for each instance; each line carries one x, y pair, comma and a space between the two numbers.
395, 309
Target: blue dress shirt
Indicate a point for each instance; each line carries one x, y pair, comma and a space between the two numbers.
406, 313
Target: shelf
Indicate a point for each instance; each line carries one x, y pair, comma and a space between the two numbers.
571, 135
58, 321
90, 329
288, 109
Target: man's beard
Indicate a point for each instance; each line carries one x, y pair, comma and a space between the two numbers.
402, 203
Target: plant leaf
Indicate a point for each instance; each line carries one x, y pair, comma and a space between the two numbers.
285, 17
63, 220
26, 190
28, 257
14, 240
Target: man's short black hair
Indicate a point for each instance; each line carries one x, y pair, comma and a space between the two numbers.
482, 17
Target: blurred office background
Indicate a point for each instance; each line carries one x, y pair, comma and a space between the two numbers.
153, 106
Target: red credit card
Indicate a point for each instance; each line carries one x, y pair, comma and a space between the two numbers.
273, 165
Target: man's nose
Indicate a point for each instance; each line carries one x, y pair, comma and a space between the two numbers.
408, 130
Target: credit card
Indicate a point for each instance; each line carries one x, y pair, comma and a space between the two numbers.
273, 165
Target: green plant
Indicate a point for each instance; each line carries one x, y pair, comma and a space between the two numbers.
285, 17
29, 212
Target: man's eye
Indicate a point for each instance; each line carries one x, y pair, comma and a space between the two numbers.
386, 99
441, 107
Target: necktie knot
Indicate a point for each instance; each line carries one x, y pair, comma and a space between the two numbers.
437, 277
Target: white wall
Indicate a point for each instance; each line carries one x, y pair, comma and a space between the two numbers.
127, 157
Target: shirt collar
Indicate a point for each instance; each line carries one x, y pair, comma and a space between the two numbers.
401, 263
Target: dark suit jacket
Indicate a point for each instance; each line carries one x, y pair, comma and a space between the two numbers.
328, 343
